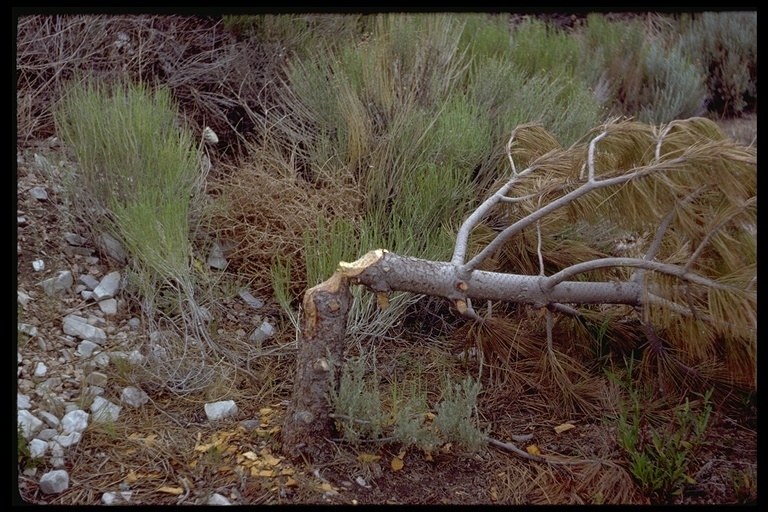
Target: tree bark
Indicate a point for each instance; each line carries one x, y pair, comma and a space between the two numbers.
321, 347
383, 271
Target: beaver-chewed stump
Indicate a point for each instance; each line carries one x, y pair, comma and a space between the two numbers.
307, 425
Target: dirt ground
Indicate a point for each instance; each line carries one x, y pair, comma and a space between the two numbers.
723, 472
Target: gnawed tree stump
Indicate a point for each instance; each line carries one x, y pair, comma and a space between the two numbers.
321, 347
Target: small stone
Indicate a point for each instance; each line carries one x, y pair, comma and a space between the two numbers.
54, 482
110, 498
40, 370
29, 424
108, 287
37, 448
38, 193
134, 396
108, 306
97, 379
104, 411
222, 409
22, 401
74, 421
67, 440
217, 499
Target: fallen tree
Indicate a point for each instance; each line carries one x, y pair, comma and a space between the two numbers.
684, 188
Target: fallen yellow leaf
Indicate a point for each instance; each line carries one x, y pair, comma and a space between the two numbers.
131, 477
401, 455
446, 448
397, 464
562, 428
533, 449
203, 447
271, 459
171, 490
327, 487
290, 482
494, 493
286, 471
131, 451
266, 472
266, 410
193, 464
367, 458
250, 455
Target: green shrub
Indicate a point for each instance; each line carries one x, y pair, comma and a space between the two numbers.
673, 88
538, 47
724, 44
660, 456
358, 410
139, 177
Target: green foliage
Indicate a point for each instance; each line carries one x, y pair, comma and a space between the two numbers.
673, 88
358, 406
724, 45
137, 165
456, 412
357, 400
640, 75
25, 459
538, 47
660, 457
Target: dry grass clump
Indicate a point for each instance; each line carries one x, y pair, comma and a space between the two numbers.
266, 210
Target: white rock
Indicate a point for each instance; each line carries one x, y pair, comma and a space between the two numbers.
89, 281
134, 397
40, 370
110, 498
38, 193
22, 298
49, 419
38, 265
113, 248
108, 287
74, 421
264, 332
30, 424
30, 330
222, 409
101, 360
251, 300
104, 411
97, 379
37, 448
22, 401
59, 283
78, 326
108, 306
217, 499
67, 440
57, 455
54, 482
216, 258
74, 239
47, 434
86, 348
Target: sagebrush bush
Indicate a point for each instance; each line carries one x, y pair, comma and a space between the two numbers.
724, 46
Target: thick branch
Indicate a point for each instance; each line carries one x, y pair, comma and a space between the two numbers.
383, 272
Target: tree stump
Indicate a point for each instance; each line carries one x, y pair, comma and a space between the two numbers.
321, 348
